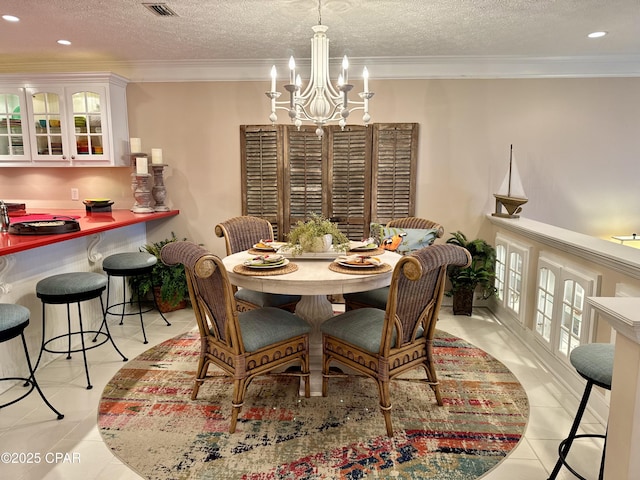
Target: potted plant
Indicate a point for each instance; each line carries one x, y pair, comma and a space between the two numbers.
167, 283
465, 280
317, 234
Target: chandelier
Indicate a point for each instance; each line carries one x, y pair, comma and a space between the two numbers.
320, 102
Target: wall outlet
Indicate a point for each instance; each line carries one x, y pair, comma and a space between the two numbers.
75, 195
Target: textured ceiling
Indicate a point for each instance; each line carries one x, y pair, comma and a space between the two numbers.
126, 31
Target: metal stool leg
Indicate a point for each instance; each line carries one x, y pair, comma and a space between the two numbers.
84, 349
32, 378
144, 334
155, 304
108, 333
565, 445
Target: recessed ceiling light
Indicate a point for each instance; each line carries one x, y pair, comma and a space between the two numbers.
597, 34
10, 18
64, 42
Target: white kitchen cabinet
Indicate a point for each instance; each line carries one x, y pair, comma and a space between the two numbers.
70, 120
14, 132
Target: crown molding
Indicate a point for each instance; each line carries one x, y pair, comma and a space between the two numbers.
452, 67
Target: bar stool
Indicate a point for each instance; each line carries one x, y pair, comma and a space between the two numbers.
594, 362
68, 288
13, 320
130, 264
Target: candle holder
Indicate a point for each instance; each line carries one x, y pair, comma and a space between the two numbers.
134, 180
159, 191
142, 193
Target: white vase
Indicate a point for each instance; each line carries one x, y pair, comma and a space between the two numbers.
318, 244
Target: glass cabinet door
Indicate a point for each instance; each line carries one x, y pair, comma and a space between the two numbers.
47, 115
87, 118
13, 131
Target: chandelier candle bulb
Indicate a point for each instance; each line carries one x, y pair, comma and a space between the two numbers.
135, 145
142, 167
273, 78
345, 68
292, 67
365, 75
156, 156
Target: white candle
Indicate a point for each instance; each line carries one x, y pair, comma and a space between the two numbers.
365, 75
141, 165
156, 155
345, 69
136, 145
292, 67
273, 78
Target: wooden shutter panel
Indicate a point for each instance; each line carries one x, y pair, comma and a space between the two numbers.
305, 173
394, 170
349, 190
261, 157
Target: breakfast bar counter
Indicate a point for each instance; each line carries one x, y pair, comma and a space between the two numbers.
90, 224
27, 259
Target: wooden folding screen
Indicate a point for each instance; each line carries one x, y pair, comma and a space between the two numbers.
353, 176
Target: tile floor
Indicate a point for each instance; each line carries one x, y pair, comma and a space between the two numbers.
30, 427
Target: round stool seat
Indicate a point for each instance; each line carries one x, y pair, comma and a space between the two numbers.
13, 320
129, 263
71, 287
594, 362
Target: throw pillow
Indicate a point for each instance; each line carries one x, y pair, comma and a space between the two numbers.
403, 240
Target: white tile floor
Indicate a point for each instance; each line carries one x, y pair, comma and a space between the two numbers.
29, 427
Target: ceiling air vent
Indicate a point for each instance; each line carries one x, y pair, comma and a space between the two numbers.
160, 9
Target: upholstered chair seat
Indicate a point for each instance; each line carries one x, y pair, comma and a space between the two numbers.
243, 345
378, 298
240, 234
384, 344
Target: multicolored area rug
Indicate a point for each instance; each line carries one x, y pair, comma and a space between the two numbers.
147, 419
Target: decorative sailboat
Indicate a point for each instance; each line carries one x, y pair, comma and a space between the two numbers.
511, 195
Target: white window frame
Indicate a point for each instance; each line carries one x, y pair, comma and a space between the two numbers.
565, 271
506, 281
554, 269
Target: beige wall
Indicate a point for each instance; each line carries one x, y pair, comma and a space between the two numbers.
575, 141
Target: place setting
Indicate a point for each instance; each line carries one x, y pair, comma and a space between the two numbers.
359, 264
265, 246
265, 264
368, 246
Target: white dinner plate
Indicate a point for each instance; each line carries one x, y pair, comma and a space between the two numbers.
272, 247
268, 265
357, 265
366, 248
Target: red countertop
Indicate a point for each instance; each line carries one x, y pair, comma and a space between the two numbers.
90, 224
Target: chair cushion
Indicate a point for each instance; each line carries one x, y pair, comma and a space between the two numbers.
129, 261
13, 320
265, 326
374, 298
71, 284
262, 299
594, 361
361, 327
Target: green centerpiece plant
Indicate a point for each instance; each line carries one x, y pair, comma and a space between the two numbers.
480, 275
313, 236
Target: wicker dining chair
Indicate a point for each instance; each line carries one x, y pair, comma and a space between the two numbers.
243, 345
378, 298
383, 344
240, 234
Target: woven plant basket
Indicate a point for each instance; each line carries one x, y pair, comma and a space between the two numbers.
463, 302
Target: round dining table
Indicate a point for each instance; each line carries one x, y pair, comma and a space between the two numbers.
313, 280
